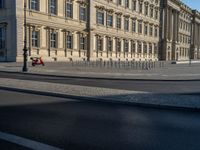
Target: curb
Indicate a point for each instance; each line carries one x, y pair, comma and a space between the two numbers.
100, 100
97, 78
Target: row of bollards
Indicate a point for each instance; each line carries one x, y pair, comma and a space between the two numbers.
137, 65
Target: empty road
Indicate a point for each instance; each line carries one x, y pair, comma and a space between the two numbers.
79, 125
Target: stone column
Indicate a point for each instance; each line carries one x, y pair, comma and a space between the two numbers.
177, 36
171, 28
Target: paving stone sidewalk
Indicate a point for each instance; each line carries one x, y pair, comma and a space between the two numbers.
170, 72
105, 94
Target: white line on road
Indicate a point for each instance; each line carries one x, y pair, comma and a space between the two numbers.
26, 142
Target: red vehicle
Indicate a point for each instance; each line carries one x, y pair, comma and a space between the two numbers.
37, 61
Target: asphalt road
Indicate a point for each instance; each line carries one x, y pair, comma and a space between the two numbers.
137, 85
79, 125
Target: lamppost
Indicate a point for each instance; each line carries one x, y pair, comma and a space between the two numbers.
25, 66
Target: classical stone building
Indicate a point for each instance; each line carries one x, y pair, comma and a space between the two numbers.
65, 30
179, 25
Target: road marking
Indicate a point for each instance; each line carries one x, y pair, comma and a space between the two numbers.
26, 142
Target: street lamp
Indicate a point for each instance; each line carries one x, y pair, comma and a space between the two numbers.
25, 66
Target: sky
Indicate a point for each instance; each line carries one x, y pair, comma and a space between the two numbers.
194, 4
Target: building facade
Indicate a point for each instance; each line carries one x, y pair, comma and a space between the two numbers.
127, 30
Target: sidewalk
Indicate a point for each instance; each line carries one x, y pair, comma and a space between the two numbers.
170, 72
174, 72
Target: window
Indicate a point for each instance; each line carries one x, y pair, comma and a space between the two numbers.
34, 5
146, 29
140, 7
134, 25
127, 3
151, 31
109, 44
69, 41
53, 40
99, 44
118, 45
53, 7
119, 20
119, 2
156, 32
146, 10
156, 14
155, 49
139, 47
126, 24
110, 20
134, 5
150, 48
133, 47
35, 38
145, 48
151, 12
2, 38
1, 4
126, 45
69, 10
100, 18
82, 13
83, 42
140, 27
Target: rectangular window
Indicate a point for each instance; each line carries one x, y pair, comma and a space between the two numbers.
109, 44
134, 26
53, 7
145, 48
119, 22
156, 32
53, 40
126, 45
118, 45
133, 47
127, 3
146, 10
69, 41
150, 48
126, 24
146, 30
110, 20
99, 44
35, 38
82, 13
156, 14
140, 27
34, 5
151, 31
139, 48
100, 18
2, 38
69, 10
83, 43
151, 12
1, 4
134, 5
119, 2
140, 7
